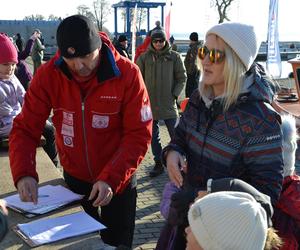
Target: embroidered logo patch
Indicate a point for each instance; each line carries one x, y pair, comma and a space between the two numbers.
71, 51
68, 118
67, 130
146, 113
100, 121
68, 141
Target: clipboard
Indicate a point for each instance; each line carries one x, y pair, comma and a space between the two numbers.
48, 230
28, 241
52, 209
53, 198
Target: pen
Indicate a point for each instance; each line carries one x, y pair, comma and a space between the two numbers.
43, 195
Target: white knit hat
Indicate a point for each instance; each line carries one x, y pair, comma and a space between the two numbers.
289, 144
241, 38
228, 220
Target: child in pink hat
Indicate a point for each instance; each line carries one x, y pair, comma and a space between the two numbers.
12, 95
11, 91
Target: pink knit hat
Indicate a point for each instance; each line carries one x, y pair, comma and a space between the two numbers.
8, 51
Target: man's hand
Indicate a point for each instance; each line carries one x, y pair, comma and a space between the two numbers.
175, 164
102, 193
28, 189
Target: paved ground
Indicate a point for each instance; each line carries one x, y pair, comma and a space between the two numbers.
148, 219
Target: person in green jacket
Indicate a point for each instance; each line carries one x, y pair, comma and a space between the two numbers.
164, 74
37, 53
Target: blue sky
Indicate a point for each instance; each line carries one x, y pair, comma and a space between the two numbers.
187, 15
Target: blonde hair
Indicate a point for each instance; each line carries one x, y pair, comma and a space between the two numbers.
233, 72
273, 241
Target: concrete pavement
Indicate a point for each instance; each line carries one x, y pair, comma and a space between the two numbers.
148, 219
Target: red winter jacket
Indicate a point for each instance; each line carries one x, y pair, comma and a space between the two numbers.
286, 218
142, 48
101, 137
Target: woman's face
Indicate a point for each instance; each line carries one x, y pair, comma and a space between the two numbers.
192, 243
7, 70
212, 74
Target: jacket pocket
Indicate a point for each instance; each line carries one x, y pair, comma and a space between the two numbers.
105, 115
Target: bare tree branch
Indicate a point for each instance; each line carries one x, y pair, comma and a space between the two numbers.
222, 8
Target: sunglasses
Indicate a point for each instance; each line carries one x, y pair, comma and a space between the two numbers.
158, 41
215, 55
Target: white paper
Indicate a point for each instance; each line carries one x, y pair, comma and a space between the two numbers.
49, 230
49, 198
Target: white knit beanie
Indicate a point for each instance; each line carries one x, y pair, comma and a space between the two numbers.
241, 38
290, 136
228, 221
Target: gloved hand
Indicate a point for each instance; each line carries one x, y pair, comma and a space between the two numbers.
179, 207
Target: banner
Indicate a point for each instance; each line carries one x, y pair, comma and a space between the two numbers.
133, 30
273, 53
168, 19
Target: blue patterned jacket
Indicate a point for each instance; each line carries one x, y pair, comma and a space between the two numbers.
244, 142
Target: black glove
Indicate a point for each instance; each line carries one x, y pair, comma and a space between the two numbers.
179, 207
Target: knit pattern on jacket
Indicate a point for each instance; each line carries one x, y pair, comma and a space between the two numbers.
243, 142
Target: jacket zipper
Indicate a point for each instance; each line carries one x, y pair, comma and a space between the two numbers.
85, 141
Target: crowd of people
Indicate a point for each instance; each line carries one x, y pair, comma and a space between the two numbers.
230, 159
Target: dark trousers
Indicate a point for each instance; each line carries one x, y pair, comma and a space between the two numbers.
192, 83
50, 146
118, 216
155, 143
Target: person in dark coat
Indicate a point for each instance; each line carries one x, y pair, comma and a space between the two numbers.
228, 128
122, 46
22, 72
190, 63
19, 42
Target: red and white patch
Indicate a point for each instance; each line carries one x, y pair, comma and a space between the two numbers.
68, 118
68, 141
100, 121
146, 113
67, 130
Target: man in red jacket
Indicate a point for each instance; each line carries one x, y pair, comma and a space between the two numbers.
103, 122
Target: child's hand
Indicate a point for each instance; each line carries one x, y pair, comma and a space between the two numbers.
201, 194
3, 207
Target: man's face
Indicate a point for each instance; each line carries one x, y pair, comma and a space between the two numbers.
158, 43
124, 44
85, 65
7, 70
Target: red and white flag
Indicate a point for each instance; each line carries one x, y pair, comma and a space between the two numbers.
168, 18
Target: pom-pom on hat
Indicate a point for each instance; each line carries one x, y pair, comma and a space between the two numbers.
228, 220
8, 51
194, 36
158, 34
77, 36
241, 38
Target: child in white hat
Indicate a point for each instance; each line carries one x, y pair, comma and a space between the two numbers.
229, 221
